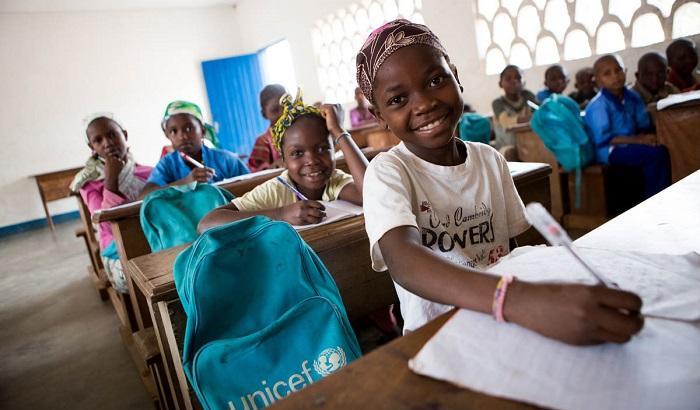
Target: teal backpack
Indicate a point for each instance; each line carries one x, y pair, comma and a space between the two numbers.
474, 127
169, 216
558, 123
264, 316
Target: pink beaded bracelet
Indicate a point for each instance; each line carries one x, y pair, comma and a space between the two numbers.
499, 297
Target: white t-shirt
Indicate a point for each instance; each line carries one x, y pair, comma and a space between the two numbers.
465, 213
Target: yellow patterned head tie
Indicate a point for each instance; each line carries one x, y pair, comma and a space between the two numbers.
291, 110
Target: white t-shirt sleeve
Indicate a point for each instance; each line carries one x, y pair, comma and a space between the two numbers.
515, 210
386, 203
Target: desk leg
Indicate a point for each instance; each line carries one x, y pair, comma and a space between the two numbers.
46, 208
177, 381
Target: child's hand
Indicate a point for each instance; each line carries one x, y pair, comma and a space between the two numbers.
199, 175
303, 213
113, 167
575, 314
333, 113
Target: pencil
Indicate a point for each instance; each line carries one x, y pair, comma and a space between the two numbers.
194, 162
289, 186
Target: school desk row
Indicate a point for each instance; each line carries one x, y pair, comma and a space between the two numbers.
665, 223
676, 128
342, 246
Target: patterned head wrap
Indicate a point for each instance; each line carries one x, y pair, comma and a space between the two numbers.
383, 42
186, 107
291, 111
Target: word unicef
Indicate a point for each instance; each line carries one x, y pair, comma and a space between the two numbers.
328, 361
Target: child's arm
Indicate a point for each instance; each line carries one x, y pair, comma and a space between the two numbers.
575, 314
357, 162
197, 174
299, 213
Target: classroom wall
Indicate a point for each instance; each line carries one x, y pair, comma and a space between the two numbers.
265, 21
58, 67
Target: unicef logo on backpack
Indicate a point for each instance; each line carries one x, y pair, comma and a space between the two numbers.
330, 360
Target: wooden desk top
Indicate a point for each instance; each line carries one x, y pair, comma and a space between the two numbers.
153, 273
382, 380
237, 188
55, 185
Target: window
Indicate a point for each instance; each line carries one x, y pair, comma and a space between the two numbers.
277, 66
338, 37
540, 32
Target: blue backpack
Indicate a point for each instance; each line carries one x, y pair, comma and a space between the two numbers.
169, 216
558, 123
264, 316
474, 127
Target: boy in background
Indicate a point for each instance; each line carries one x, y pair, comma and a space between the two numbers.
555, 82
651, 82
618, 124
264, 155
683, 60
585, 87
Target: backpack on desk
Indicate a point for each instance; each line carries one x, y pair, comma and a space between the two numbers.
264, 316
169, 216
558, 123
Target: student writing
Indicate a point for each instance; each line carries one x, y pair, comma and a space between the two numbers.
111, 177
183, 124
305, 136
438, 210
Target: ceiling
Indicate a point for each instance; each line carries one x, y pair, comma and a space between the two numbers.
43, 6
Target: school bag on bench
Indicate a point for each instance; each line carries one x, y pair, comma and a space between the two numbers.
169, 216
558, 123
264, 316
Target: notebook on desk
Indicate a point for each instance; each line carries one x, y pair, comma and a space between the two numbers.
335, 211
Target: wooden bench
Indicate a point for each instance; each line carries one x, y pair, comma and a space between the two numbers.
343, 247
53, 186
678, 128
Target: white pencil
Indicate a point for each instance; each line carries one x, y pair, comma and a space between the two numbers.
194, 162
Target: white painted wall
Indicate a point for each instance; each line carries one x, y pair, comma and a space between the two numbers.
58, 67
265, 21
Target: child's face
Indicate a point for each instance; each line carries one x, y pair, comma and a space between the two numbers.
418, 97
683, 60
585, 83
308, 154
609, 74
272, 110
556, 81
185, 133
512, 82
107, 138
652, 75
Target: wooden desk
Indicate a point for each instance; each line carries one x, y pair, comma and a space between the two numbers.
53, 186
382, 378
373, 136
678, 128
342, 246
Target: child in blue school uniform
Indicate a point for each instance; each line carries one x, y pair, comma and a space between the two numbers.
439, 210
183, 124
619, 125
555, 82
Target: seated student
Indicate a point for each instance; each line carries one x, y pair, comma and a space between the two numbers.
264, 155
183, 124
111, 177
651, 82
618, 123
413, 192
683, 61
555, 82
585, 87
360, 115
510, 109
305, 136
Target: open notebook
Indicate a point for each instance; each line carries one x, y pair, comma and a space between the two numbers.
335, 211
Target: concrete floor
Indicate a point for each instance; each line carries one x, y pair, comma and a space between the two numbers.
59, 343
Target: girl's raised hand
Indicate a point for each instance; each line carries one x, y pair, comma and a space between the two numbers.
575, 314
333, 113
303, 212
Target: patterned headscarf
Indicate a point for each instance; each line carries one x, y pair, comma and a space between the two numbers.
291, 110
383, 42
186, 107
97, 115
